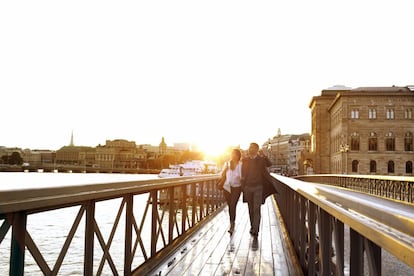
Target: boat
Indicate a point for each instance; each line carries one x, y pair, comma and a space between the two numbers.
189, 168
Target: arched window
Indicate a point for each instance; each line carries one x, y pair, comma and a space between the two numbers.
372, 166
354, 114
390, 115
408, 113
389, 142
354, 141
355, 166
391, 168
372, 142
372, 113
408, 141
409, 167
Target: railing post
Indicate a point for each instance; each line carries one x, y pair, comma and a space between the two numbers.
201, 196
312, 238
357, 253
325, 241
194, 204
89, 238
18, 243
183, 208
171, 214
208, 199
373, 257
129, 213
339, 246
302, 230
154, 221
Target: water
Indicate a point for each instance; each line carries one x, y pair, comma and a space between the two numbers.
50, 229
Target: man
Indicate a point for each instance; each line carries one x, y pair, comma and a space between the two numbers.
257, 184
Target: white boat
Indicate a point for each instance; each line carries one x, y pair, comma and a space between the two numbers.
189, 168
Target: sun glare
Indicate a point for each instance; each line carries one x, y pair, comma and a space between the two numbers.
213, 150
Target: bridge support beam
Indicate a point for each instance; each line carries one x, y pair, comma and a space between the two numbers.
89, 238
18, 244
129, 220
154, 222
357, 253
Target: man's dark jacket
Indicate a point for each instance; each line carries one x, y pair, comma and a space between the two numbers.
268, 181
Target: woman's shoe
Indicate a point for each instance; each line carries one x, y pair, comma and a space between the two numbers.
231, 230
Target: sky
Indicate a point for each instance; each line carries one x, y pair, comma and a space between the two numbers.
212, 73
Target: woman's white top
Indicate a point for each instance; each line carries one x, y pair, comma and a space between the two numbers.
233, 177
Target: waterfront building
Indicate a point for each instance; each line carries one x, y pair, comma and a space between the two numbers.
367, 130
75, 155
284, 151
117, 154
38, 157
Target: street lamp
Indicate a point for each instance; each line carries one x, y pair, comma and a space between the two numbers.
269, 150
344, 148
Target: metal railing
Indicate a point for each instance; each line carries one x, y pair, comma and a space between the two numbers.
317, 219
393, 187
172, 209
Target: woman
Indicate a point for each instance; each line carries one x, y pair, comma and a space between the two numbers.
232, 185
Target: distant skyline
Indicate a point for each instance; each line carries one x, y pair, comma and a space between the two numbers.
214, 73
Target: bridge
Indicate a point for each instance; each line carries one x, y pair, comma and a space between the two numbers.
316, 225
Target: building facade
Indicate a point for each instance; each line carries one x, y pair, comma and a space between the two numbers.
366, 130
284, 151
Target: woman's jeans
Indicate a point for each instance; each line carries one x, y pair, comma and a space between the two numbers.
232, 199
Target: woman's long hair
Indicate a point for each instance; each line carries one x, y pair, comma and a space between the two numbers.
232, 163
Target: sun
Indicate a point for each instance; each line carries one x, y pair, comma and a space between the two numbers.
212, 150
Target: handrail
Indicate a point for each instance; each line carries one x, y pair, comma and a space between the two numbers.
174, 208
28, 199
393, 187
375, 223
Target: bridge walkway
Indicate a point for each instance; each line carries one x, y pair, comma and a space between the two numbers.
213, 251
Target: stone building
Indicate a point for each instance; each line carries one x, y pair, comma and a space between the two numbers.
117, 154
75, 155
284, 151
367, 130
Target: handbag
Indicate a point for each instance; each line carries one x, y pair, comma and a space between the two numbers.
222, 180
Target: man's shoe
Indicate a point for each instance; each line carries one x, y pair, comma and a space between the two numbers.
255, 243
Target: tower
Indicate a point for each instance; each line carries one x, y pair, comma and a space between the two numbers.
163, 147
71, 140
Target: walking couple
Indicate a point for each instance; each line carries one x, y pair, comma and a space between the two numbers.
250, 176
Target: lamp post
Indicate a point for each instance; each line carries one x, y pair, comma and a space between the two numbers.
269, 150
344, 148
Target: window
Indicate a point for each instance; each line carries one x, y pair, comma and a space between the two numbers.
389, 142
372, 166
408, 141
409, 167
408, 113
354, 141
390, 115
390, 166
355, 166
372, 142
372, 113
355, 114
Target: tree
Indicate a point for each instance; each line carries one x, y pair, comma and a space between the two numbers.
15, 159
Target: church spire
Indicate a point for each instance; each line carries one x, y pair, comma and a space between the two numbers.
71, 140
163, 146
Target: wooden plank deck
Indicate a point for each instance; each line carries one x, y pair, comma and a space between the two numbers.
212, 251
